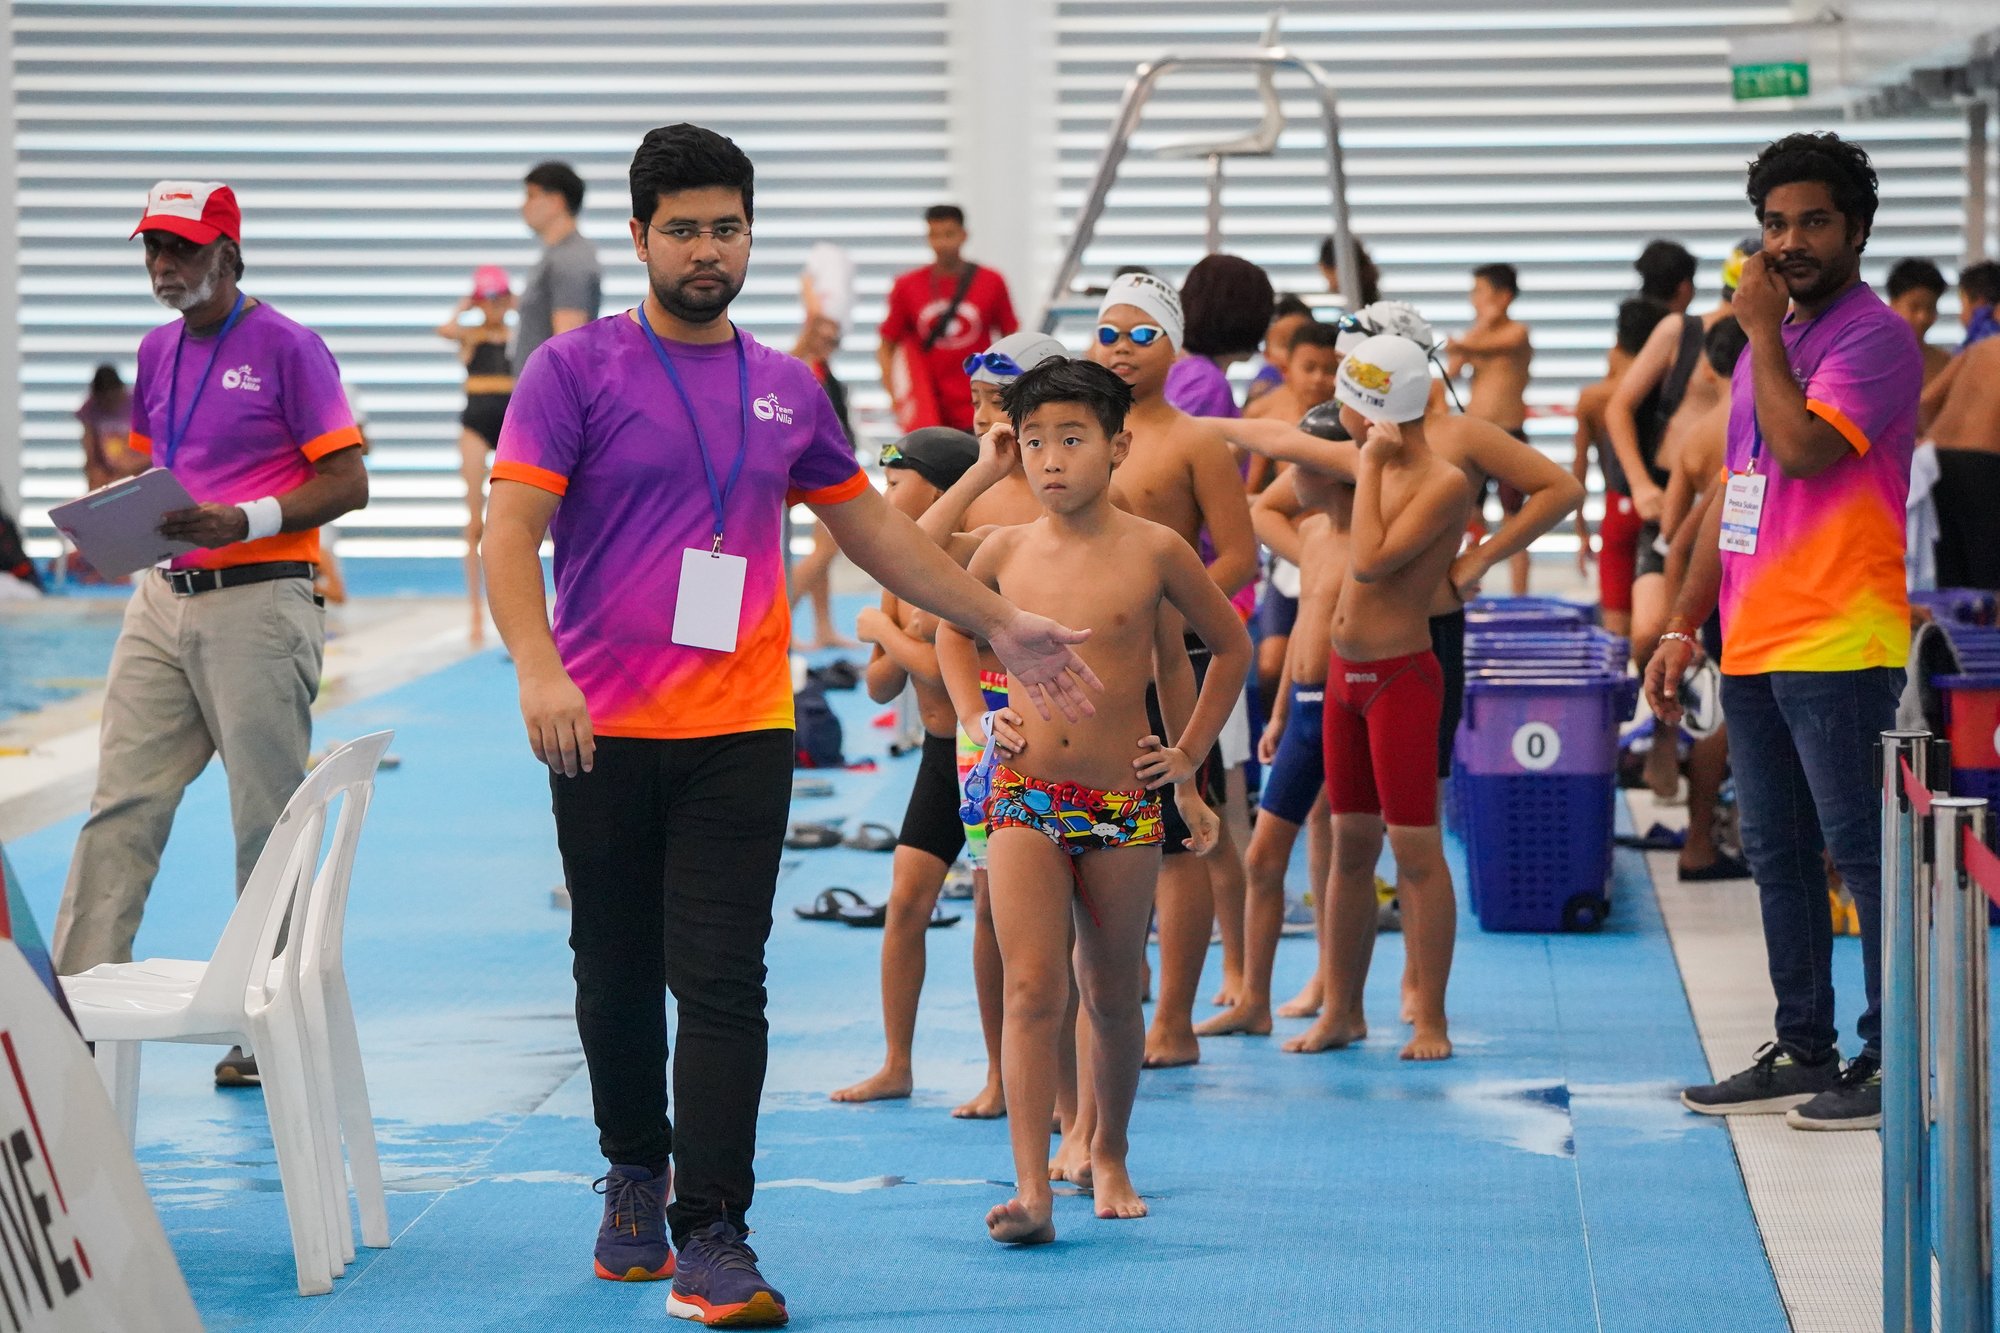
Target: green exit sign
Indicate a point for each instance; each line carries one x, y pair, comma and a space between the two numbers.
1785, 78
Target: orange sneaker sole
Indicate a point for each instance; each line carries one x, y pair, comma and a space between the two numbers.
635, 1274
760, 1311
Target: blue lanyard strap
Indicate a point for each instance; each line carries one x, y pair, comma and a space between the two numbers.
718, 495
177, 428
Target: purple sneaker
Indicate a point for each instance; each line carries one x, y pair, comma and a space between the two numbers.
718, 1283
632, 1239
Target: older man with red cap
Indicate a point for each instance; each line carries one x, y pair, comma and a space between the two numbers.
220, 648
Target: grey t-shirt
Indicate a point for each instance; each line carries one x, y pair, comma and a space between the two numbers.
566, 278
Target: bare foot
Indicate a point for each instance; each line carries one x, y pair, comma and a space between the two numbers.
1332, 1032
881, 1087
990, 1104
1232, 987
1429, 1043
1015, 1223
1115, 1198
1303, 1005
1071, 1162
1252, 1020
1170, 1050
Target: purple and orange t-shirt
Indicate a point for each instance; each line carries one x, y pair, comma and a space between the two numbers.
595, 420
273, 407
1824, 590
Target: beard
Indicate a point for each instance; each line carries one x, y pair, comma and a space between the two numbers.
201, 293
694, 307
1816, 281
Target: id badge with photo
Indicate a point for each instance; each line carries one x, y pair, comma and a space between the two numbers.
1742, 512
710, 605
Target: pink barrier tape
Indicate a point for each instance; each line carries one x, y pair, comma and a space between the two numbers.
1982, 866
1918, 794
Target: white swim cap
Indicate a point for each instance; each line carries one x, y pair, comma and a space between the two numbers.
1397, 317
1156, 298
1385, 378
1025, 350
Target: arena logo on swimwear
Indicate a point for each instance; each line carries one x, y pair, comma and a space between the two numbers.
1361, 678
242, 377
768, 408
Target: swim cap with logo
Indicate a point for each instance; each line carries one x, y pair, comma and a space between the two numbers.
1385, 378
1145, 292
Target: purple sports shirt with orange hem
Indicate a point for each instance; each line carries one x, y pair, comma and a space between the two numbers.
594, 420
1825, 589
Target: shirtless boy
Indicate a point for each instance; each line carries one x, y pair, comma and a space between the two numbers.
918, 468
1180, 473
1074, 814
1618, 534
1383, 686
1304, 516
1497, 350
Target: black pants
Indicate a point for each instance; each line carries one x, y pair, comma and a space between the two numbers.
671, 851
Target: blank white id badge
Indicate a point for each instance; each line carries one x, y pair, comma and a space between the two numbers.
1742, 512
710, 606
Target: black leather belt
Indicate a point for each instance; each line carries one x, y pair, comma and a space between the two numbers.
188, 582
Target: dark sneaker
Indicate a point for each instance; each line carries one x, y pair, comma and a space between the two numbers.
632, 1239
237, 1070
1777, 1081
1855, 1102
718, 1283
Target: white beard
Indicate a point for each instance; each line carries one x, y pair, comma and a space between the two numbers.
200, 294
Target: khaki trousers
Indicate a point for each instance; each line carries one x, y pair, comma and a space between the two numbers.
232, 672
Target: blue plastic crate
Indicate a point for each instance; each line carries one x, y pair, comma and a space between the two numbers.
1539, 849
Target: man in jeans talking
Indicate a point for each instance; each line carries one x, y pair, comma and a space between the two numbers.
1804, 543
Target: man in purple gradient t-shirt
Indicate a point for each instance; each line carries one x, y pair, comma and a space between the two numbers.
661, 447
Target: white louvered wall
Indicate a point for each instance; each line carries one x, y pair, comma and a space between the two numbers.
1556, 135
378, 153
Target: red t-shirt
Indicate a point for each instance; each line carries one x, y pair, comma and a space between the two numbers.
919, 299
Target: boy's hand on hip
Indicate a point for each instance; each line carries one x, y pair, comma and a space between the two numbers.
1204, 827
1007, 732
558, 723
1161, 764
1037, 654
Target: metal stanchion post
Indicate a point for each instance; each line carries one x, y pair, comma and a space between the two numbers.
1965, 1211
1906, 1245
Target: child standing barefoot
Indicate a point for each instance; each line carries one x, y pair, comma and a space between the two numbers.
1074, 815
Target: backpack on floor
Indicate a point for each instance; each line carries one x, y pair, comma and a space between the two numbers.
818, 735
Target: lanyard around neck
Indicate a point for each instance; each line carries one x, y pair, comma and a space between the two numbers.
177, 428
718, 494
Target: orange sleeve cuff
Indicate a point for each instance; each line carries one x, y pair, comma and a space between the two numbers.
529, 475
837, 493
1837, 419
346, 437
139, 444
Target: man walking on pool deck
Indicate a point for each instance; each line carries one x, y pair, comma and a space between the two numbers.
1804, 545
220, 652
938, 315
660, 448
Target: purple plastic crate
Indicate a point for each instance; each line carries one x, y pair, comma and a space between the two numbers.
1538, 849
1541, 726
1971, 606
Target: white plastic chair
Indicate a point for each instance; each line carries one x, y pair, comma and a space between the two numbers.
286, 1002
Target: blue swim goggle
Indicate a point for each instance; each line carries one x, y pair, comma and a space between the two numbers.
997, 363
979, 782
1142, 335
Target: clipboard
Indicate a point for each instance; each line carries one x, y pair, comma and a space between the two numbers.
117, 527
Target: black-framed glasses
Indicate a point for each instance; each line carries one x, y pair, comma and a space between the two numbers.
726, 235
1142, 335
997, 363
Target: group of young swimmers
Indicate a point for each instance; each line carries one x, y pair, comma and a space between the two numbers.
1088, 497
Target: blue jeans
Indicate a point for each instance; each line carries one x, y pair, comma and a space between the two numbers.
1802, 745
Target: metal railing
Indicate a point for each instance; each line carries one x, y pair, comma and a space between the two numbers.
1936, 1127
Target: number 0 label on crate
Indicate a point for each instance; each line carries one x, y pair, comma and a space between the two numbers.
1537, 746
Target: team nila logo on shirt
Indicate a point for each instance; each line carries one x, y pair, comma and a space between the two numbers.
242, 377
768, 408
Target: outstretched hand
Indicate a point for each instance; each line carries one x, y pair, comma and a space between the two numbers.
1036, 652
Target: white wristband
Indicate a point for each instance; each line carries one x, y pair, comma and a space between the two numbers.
266, 517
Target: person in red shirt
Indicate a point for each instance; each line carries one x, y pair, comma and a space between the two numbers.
939, 315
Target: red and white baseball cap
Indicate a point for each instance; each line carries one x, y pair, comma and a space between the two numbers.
198, 211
